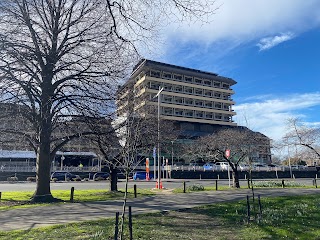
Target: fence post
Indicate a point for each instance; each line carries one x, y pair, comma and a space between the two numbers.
184, 187
315, 183
135, 190
116, 229
130, 223
260, 208
71, 194
216, 185
0, 195
248, 209
282, 182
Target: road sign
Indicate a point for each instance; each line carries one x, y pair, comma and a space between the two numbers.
227, 153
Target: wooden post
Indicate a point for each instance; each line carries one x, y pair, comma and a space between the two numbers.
0, 195
130, 223
184, 187
116, 226
71, 194
135, 190
252, 193
282, 182
248, 209
216, 185
248, 180
260, 208
315, 183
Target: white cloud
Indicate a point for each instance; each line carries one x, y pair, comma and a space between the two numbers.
242, 21
270, 116
270, 42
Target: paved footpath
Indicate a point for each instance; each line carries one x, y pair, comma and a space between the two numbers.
30, 218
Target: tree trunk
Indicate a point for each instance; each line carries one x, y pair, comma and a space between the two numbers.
44, 158
124, 205
113, 179
235, 178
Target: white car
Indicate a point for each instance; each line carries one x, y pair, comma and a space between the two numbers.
244, 167
222, 166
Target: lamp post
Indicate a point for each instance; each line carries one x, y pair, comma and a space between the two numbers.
158, 95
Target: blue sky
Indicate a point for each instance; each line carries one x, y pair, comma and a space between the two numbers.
270, 47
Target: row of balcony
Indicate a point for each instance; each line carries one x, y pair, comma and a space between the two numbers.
178, 112
187, 79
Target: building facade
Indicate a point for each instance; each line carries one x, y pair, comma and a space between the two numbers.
197, 101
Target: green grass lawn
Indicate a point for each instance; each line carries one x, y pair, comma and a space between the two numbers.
20, 199
295, 217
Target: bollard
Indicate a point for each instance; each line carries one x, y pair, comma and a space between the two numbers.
260, 208
218, 177
184, 187
0, 195
200, 176
315, 183
248, 209
248, 180
71, 194
135, 190
116, 227
282, 182
245, 176
130, 223
216, 185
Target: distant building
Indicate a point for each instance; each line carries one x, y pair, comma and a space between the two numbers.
199, 102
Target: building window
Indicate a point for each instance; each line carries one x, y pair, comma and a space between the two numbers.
188, 89
198, 103
154, 73
198, 91
178, 112
209, 115
199, 114
167, 75
207, 82
217, 84
178, 88
218, 116
188, 113
177, 77
198, 81
188, 101
167, 111
167, 87
154, 85
167, 98
217, 95
187, 79
208, 104
218, 105
179, 100
225, 86
207, 93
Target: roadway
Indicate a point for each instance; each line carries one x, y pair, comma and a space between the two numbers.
169, 184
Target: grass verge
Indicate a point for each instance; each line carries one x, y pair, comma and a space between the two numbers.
20, 199
282, 218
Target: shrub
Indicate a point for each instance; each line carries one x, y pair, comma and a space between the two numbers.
196, 187
12, 179
31, 179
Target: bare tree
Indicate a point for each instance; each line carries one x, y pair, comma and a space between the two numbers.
62, 58
242, 143
302, 135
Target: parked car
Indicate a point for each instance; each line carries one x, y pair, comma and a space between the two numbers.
177, 166
209, 166
142, 176
222, 165
101, 176
244, 167
297, 167
64, 176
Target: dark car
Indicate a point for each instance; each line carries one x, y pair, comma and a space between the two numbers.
64, 176
100, 176
142, 176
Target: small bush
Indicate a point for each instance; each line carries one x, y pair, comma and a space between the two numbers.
196, 187
12, 179
276, 184
31, 179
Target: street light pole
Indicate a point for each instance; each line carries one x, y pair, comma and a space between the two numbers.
158, 95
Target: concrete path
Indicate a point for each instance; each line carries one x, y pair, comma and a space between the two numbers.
74, 212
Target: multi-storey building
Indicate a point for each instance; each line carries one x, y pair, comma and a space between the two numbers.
197, 101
